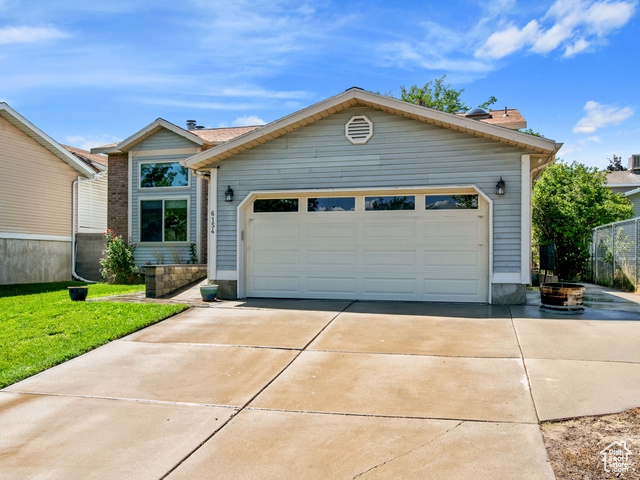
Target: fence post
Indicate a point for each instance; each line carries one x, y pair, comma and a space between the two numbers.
636, 258
613, 256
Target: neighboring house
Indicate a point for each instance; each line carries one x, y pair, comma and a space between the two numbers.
154, 201
627, 182
37, 221
91, 216
360, 196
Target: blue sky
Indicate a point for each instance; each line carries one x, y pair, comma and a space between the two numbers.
90, 73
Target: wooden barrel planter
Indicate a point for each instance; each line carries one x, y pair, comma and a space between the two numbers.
562, 297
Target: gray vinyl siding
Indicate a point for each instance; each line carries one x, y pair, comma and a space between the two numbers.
635, 202
165, 253
402, 152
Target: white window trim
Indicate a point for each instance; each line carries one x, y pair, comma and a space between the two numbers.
163, 198
160, 189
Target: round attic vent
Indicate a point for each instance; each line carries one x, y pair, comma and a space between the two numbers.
358, 130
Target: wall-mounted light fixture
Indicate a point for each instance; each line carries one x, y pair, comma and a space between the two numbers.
228, 195
500, 187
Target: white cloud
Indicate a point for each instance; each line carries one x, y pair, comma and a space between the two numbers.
256, 92
573, 25
25, 34
501, 44
248, 121
91, 141
599, 116
430, 56
579, 45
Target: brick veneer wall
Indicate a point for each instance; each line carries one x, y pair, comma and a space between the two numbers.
118, 194
163, 280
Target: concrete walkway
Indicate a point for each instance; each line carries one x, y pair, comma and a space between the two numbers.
325, 389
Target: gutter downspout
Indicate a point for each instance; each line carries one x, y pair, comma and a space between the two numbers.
74, 191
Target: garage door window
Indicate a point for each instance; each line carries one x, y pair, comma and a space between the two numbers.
331, 204
451, 202
390, 203
272, 205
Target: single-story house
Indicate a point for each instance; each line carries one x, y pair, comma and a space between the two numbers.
627, 182
360, 196
39, 226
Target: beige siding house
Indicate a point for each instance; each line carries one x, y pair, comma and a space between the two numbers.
37, 194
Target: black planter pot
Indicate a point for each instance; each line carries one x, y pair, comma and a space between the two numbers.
78, 294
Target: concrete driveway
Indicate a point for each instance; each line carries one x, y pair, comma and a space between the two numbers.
323, 389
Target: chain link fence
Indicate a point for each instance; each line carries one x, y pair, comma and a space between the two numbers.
615, 255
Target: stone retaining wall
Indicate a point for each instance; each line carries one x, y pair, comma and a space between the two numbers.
163, 280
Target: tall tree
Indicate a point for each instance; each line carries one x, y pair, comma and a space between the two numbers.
568, 201
435, 94
615, 164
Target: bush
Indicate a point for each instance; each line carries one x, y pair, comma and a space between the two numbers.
117, 259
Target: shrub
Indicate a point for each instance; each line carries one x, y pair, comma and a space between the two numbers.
117, 259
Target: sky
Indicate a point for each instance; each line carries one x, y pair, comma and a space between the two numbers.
89, 73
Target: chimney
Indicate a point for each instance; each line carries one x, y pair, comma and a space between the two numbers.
191, 124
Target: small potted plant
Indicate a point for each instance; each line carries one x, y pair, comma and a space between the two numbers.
78, 293
209, 292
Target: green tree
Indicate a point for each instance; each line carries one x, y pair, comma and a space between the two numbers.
435, 94
568, 201
615, 164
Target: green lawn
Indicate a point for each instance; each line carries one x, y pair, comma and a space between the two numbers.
41, 327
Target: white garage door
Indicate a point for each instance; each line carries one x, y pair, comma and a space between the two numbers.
428, 247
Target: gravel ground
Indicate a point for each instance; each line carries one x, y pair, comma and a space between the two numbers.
574, 446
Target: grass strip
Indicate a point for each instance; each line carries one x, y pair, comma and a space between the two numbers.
41, 327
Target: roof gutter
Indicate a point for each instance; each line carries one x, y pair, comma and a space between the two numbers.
74, 206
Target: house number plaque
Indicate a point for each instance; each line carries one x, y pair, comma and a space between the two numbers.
213, 222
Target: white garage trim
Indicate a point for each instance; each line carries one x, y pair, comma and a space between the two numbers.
443, 190
525, 219
212, 226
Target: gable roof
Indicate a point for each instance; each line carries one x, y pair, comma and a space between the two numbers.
29, 129
358, 97
623, 178
216, 136
154, 127
96, 162
509, 117
202, 137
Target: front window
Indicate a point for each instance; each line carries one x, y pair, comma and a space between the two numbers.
163, 175
163, 220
